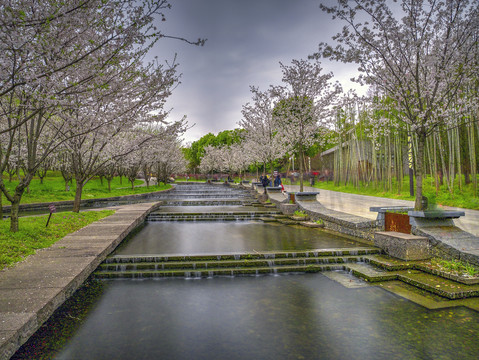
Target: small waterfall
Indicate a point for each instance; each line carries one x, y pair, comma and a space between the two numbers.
211, 274
237, 257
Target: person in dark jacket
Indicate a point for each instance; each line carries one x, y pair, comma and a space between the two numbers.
265, 182
277, 180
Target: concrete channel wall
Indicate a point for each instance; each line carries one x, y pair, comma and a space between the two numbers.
347, 224
445, 240
32, 290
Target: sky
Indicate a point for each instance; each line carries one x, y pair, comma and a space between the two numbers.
246, 40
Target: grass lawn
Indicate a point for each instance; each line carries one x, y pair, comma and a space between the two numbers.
33, 234
53, 189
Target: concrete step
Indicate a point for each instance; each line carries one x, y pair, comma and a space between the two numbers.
417, 274
245, 256
393, 264
233, 215
197, 265
230, 264
371, 273
208, 218
219, 271
438, 285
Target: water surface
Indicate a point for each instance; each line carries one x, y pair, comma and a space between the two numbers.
270, 317
222, 237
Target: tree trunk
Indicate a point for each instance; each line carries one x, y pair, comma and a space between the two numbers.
78, 193
109, 184
301, 169
421, 141
15, 200
15, 209
1, 206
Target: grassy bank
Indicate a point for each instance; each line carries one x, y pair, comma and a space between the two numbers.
33, 234
53, 189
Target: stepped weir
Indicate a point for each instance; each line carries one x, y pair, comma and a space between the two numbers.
211, 241
206, 230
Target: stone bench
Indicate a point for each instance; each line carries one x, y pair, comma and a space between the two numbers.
274, 189
306, 196
421, 219
403, 246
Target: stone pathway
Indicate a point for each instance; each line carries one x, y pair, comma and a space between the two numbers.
32, 290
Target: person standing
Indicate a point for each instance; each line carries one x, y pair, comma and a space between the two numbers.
277, 180
265, 182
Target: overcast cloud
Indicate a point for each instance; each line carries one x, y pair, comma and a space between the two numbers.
246, 40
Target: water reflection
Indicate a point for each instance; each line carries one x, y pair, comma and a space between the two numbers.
270, 317
227, 237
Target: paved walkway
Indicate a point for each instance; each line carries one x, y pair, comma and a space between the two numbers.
360, 204
32, 290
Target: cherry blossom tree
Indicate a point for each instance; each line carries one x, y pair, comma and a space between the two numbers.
261, 137
419, 54
242, 157
211, 160
302, 104
130, 100
168, 159
57, 57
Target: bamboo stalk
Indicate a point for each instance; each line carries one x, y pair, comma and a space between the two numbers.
458, 154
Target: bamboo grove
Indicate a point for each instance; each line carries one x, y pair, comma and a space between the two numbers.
381, 158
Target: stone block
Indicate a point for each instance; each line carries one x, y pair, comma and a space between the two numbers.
403, 246
288, 209
306, 196
273, 189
